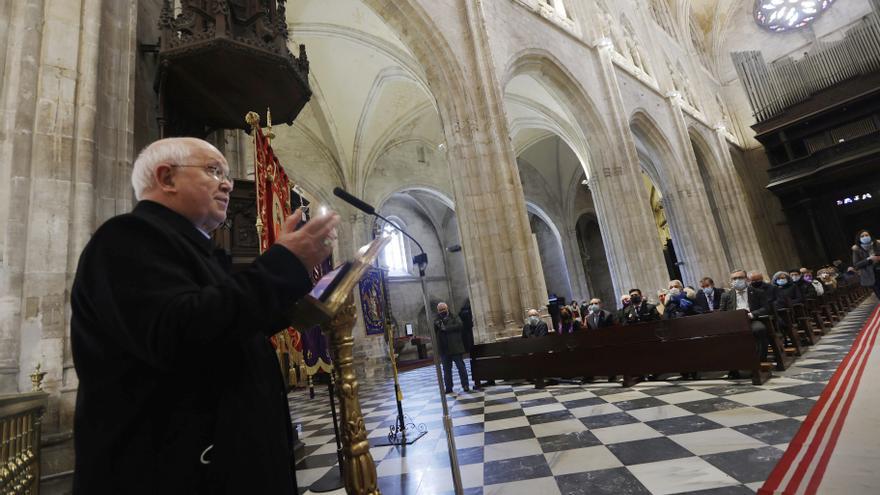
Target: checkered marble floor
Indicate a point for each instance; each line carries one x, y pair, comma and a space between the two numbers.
707, 436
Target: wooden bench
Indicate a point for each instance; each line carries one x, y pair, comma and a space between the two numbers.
718, 341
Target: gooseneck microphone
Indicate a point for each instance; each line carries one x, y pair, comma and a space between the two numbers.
354, 201
420, 260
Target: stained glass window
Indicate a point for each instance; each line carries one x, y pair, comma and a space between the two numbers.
786, 15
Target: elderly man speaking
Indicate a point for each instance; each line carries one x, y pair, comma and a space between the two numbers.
179, 389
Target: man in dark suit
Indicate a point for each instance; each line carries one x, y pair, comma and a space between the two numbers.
639, 310
448, 328
597, 317
535, 326
179, 388
708, 297
744, 297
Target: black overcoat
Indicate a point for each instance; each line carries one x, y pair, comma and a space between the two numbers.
172, 355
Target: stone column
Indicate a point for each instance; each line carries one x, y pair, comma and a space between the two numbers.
490, 204
703, 255
743, 233
635, 257
17, 115
576, 272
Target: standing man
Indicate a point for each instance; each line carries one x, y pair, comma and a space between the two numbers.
535, 326
639, 310
597, 317
152, 309
447, 328
708, 297
467, 321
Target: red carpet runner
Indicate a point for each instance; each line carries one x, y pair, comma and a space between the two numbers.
802, 468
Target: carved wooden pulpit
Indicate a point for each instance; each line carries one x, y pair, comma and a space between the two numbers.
219, 59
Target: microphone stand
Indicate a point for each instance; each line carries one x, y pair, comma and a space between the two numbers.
421, 261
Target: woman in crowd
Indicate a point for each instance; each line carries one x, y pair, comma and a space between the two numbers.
567, 323
866, 259
828, 278
787, 292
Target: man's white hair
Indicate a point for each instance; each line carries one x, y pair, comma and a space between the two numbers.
174, 151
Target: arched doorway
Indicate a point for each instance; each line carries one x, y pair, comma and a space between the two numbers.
594, 260
663, 233
553, 261
428, 216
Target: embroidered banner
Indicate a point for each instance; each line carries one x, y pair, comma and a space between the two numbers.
372, 291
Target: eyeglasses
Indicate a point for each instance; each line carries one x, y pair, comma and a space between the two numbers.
215, 171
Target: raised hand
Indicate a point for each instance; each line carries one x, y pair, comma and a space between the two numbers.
313, 242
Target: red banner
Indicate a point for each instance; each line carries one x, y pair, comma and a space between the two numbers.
273, 191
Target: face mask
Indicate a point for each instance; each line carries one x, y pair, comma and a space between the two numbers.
808, 278
533, 320
635, 299
865, 239
626, 303
674, 292
782, 282
707, 290
444, 314
757, 284
795, 278
594, 308
739, 284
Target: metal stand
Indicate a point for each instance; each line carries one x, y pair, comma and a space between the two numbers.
421, 261
333, 479
404, 431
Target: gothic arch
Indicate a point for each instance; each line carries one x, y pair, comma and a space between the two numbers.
713, 184
652, 143
594, 146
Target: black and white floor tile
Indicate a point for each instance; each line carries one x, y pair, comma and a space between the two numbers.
708, 436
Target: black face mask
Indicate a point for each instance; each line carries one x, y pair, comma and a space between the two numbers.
635, 299
757, 284
444, 314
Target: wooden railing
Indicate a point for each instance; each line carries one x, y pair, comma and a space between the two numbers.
20, 420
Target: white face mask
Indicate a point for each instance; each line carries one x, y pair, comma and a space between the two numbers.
534, 320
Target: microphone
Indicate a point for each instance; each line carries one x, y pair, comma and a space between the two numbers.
354, 201
420, 260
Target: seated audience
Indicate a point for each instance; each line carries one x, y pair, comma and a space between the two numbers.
756, 280
585, 309
744, 297
828, 278
574, 309
535, 326
786, 293
639, 310
661, 298
624, 302
678, 305
708, 297
596, 317
567, 322
807, 278
806, 289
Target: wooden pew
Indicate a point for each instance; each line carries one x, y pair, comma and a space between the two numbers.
719, 341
